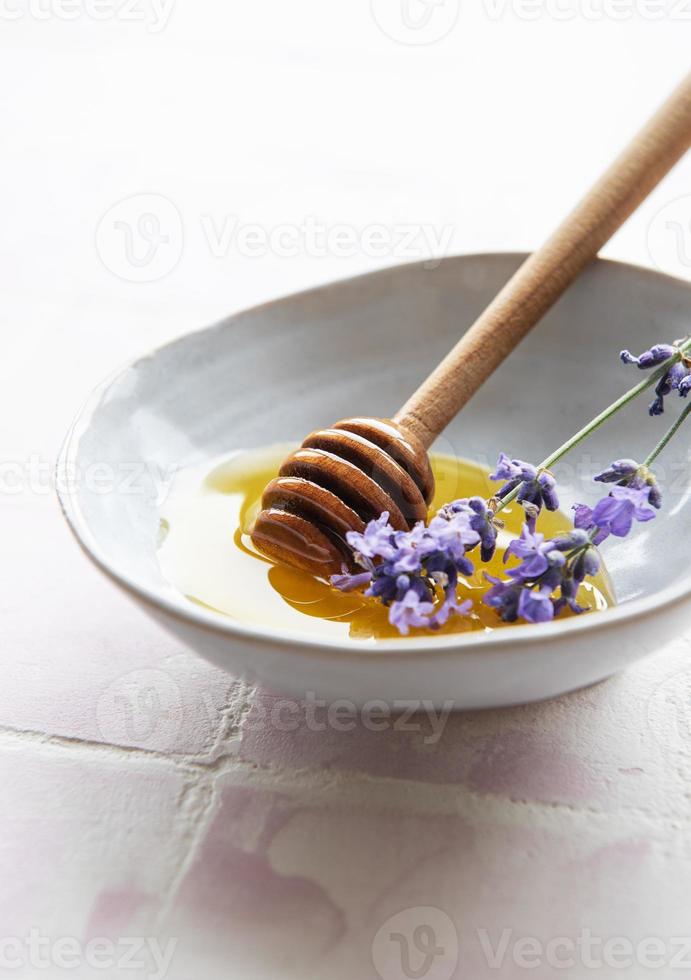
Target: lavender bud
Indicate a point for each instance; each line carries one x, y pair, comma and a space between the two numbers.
618, 470
535, 487
548, 485
567, 542
658, 354
655, 495
586, 564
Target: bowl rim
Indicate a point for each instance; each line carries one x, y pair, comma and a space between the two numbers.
222, 625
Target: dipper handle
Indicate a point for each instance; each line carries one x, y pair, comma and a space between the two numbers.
546, 274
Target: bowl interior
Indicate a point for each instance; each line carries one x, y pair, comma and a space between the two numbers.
361, 346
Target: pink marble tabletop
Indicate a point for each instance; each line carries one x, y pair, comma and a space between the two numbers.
159, 818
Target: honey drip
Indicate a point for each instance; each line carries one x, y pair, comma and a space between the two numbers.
207, 554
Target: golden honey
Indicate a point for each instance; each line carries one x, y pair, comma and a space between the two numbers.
206, 553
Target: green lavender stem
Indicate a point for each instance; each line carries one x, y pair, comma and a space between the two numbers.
667, 436
607, 414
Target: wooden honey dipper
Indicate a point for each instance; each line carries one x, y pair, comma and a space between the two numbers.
344, 476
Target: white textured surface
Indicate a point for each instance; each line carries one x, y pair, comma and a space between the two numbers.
143, 796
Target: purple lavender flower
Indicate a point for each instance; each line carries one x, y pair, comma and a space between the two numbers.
481, 520
535, 486
616, 513
410, 571
583, 516
550, 572
389, 587
536, 606
654, 494
349, 583
484, 522
584, 520
584, 561
409, 611
569, 540
453, 537
586, 565
376, 541
537, 555
629, 473
620, 471
667, 383
658, 354
503, 596
449, 607
404, 569
569, 592
546, 566
672, 379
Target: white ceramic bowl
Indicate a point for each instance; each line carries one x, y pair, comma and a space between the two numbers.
361, 346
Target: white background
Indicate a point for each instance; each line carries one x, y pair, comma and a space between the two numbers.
274, 113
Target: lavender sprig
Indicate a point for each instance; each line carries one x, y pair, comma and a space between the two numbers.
561, 564
615, 513
675, 376
679, 352
637, 476
416, 572
667, 436
528, 483
407, 569
481, 518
